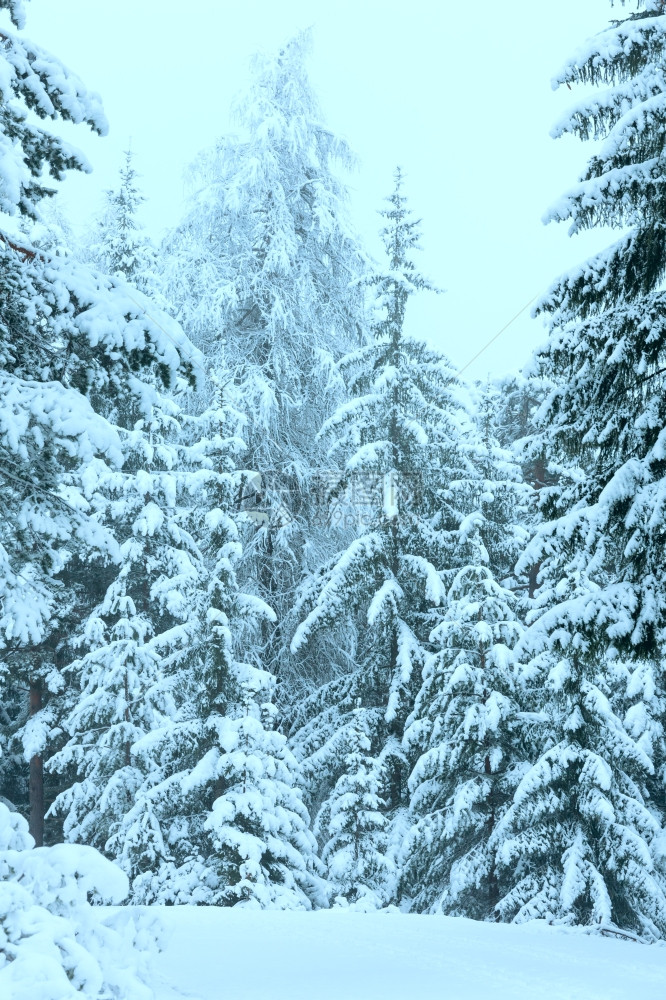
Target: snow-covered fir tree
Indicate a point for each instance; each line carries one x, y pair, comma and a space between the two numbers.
515, 401
399, 439
503, 497
116, 243
126, 681
264, 275
574, 846
187, 730
161, 837
233, 825
466, 723
582, 840
263, 850
71, 344
353, 826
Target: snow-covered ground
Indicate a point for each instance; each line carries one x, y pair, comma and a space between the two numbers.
234, 954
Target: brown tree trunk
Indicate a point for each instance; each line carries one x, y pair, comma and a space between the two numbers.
270, 631
538, 481
396, 727
36, 822
493, 884
533, 579
128, 718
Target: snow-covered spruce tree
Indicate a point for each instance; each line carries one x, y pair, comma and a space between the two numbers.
161, 838
234, 829
259, 827
233, 825
516, 398
116, 245
71, 345
582, 835
400, 441
53, 944
466, 728
264, 275
218, 818
127, 679
352, 827
515, 402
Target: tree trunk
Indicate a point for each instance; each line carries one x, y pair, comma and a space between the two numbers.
395, 790
493, 884
538, 481
36, 822
532, 580
128, 719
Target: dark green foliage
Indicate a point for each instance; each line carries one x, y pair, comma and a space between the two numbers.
583, 833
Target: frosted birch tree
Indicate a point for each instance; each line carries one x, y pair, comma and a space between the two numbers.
264, 275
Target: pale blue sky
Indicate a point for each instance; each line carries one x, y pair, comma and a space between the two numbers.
459, 95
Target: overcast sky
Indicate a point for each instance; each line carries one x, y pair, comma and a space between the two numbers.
459, 95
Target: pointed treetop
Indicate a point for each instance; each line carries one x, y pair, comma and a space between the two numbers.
128, 198
400, 235
280, 79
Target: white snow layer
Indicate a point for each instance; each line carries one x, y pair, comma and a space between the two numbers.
242, 954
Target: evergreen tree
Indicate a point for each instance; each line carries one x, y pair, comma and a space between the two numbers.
400, 441
503, 496
71, 345
264, 275
197, 745
574, 845
126, 682
116, 244
259, 826
161, 838
466, 723
232, 827
517, 399
586, 817
353, 826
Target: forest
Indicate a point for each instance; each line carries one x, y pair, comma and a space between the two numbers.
293, 615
